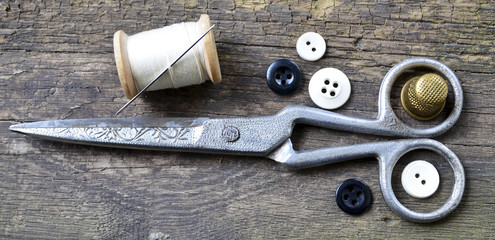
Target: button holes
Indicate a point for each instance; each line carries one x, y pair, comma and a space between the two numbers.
335, 85
423, 182
313, 49
332, 93
283, 76
417, 175
308, 42
327, 82
324, 90
353, 196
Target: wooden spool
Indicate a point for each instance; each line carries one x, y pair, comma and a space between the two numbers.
124, 68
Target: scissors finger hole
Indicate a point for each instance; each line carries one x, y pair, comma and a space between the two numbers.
441, 195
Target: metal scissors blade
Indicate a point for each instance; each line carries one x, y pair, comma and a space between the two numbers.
245, 136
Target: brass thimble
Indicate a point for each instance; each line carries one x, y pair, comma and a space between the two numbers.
424, 97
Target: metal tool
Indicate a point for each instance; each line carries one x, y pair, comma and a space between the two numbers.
269, 136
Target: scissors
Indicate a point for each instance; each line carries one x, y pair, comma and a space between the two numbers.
269, 136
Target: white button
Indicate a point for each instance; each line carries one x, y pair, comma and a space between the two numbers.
311, 46
420, 179
329, 88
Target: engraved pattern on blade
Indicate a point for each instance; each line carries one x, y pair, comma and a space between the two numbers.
127, 135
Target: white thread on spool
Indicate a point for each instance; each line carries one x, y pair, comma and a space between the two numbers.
143, 56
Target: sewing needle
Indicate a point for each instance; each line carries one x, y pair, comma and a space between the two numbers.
164, 71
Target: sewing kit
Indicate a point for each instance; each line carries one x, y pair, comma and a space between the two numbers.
184, 54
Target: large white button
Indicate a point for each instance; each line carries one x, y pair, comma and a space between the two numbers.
420, 179
329, 88
311, 46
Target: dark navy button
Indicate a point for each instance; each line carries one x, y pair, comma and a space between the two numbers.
353, 196
283, 76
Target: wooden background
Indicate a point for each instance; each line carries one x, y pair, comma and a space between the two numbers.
56, 62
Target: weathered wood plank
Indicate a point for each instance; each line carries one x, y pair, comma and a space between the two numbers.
56, 62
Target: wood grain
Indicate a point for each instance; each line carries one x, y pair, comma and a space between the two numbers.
56, 62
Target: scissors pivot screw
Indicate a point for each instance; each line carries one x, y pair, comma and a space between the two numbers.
424, 97
230, 134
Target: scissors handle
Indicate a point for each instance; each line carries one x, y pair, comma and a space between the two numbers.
386, 114
387, 123
387, 153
